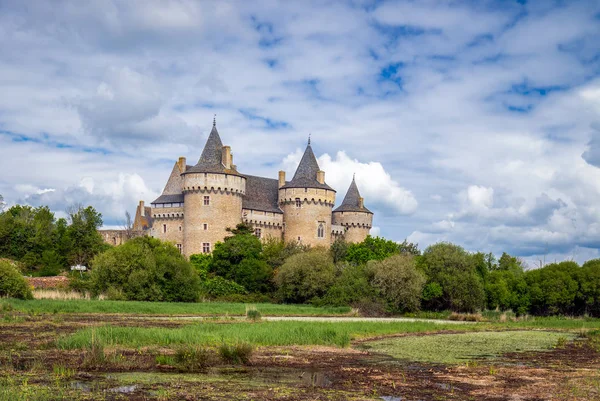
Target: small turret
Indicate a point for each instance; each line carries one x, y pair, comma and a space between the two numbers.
353, 215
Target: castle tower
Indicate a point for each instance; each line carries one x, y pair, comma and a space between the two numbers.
306, 202
353, 215
167, 210
213, 191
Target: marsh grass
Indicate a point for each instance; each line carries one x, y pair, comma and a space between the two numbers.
263, 333
235, 354
192, 358
458, 348
168, 308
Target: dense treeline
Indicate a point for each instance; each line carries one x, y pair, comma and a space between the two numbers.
46, 246
377, 275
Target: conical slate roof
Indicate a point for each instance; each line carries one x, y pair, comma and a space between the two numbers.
211, 159
351, 202
306, 173
173, 189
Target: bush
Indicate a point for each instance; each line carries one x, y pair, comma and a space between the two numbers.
12, 283
145, 269
189, 358
351, 285
399, 281
236, 354
305, 276
220, 287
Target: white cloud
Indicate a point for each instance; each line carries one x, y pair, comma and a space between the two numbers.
484, 112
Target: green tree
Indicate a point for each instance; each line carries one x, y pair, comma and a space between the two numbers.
453, 269
588, 298
144, 269
352, 284
12, 283
554, 288
305, 276
84, 240
372, 248
239, 258
339, 250
399, 281
276, 251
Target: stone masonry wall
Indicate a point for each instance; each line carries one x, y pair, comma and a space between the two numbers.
224, 209
358, 224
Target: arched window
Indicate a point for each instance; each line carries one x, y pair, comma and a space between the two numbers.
321, 230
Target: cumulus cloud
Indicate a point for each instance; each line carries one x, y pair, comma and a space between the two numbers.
111, 197
483, 112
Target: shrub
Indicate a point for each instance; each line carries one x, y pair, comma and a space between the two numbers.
220, 287
399, 281
12, 283
252, 314
235, 354
351, 285
305, 276
145, 269
191, 358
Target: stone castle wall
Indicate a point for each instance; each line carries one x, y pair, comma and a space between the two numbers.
357, 224
270, 224
223, 211
168, 224
302, 223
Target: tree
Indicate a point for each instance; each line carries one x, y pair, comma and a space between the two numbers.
451, 268
339, 250
12, 283
588, 298
83, 238
305, 276
2, 203
352, 284
553, 288
239, 258
372, 248
276, 251
128, 226
399, 281
144, 269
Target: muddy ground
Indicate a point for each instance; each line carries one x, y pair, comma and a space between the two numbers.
30, 364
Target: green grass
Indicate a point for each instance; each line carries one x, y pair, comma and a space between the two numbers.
262, 334
458, 348
168, 308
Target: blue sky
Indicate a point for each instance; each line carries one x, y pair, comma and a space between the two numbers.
476, 122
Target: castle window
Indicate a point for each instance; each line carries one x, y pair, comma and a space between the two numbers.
115, 240
305, 189
179, 228
258, 232
206, 247
299, 239
298, 202
206, 200
164, 228
321, 230
205, 226
180, 248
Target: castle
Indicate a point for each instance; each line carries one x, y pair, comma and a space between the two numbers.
200, 202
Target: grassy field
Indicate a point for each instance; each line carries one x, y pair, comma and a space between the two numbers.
261, 333
458, 348
167, 308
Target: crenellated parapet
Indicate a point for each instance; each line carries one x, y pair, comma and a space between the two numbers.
215, 183
307, 196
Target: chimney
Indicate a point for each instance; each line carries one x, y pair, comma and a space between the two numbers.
142, 208
181, 164
226, 157
361, 202
321, 176
281, 178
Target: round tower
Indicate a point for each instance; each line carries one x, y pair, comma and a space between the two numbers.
306, 202
353, 215
213, 191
